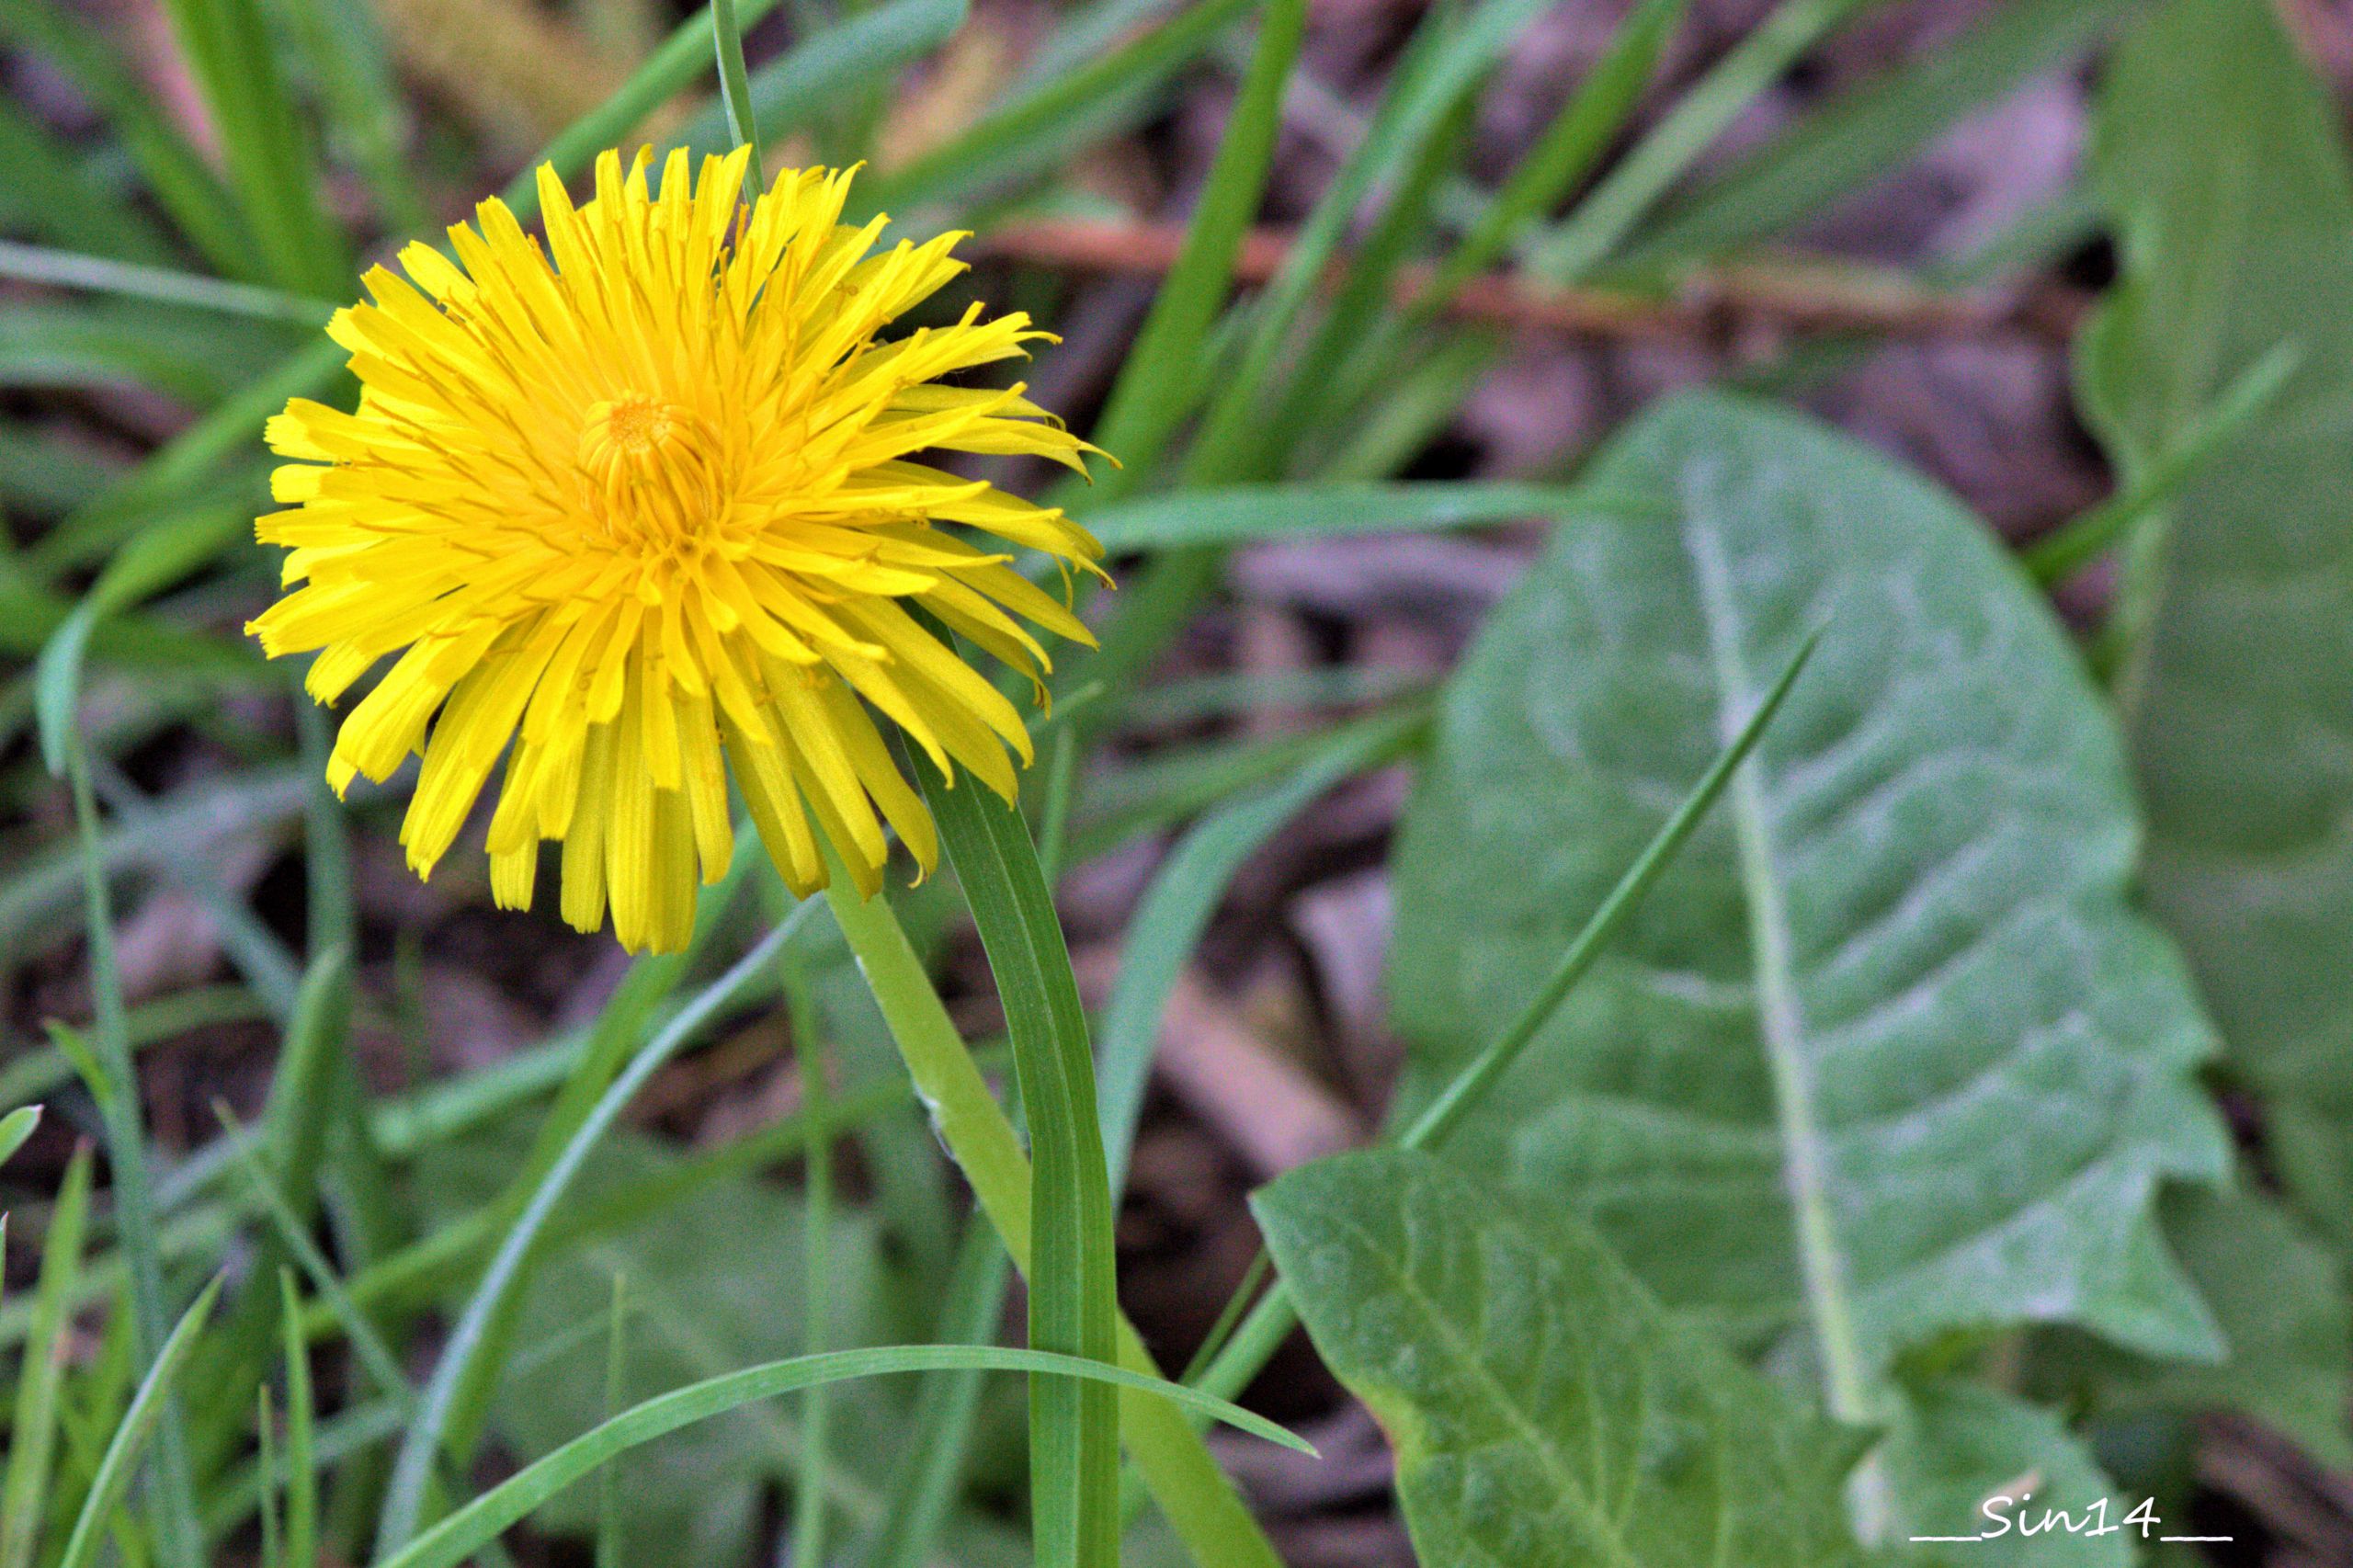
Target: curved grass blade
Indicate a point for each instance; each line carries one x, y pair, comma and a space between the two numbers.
1199, 1502
114, 1083
33, 1430
184, 184
734, 93
302, 1438
2074, 544
467, 1531
1074, 1303
1568, 253
263, 142
923, 1482
1260, 514
131, 1435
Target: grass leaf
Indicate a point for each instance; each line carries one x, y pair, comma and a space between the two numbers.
455, 1539
1074, 1303
131, 1434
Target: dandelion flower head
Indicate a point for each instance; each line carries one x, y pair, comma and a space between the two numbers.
640, 512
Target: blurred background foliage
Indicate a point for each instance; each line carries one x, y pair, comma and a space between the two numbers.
1507, 392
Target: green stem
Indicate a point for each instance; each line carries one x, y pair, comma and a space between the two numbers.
816, 1239
1199, 1502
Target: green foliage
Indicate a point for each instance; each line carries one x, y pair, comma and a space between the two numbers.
694, 1311
1957, 1448
2220, 160
1546, 1410
2277, 1294
1890, 1055
1072, 1273
1801, 1145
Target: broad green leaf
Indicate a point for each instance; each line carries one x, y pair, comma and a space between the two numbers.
2278, 1295
1545, 1411
1887, 1053
2217, 155
1971, 1462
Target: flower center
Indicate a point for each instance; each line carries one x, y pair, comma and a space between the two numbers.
650, 464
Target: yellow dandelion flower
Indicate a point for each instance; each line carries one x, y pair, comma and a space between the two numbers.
644, 505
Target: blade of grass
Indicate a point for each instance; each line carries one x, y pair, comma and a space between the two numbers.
1085, 34
609, 1479
131, 1434
1195, 1496
115, 1084
136, 280
1569, 252
456, 1538
2068, 549
460, 1363
266, 966
734, 92
374, 1354
1153, 390
1180, 782
48, 1345
816, 1284
1183, 894
263, 142
302, 1445
182, 182
1445, 58
1568, 150
1271, 1321
1262, 514
790, 92
1362, 300
156, 557
1010, 143
345, 47
56, 195
682, 57
15, 1127
1862, 136
266, 1443
1074, 1303
1249, 691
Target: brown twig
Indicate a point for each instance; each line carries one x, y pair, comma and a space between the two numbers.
1803, 297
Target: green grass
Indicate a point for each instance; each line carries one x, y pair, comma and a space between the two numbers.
288, 1333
